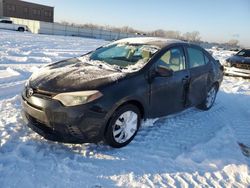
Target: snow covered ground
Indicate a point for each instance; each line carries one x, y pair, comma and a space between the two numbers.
189, 149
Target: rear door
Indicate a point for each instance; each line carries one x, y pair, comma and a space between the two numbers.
168, 94
199, 73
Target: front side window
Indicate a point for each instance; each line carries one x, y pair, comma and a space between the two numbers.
196, 57
173, 59
124, 55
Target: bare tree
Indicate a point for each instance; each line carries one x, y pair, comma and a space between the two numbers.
157, 33
189, 36
233, 42
64, 23
173, 34
192, 36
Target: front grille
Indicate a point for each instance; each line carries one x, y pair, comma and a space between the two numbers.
39, 93
242, 66
40, 125
37, 122
71, 132
43, 94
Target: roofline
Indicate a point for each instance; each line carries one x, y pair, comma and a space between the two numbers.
38, 4
162, 42
153, 38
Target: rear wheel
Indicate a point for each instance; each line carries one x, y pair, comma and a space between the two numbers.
21, 29
123, 126
210, 98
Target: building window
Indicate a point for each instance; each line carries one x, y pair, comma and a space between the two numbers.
34, 12
26, 10
11, 8
38, 12
48, 13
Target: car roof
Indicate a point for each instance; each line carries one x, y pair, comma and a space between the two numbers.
156, 41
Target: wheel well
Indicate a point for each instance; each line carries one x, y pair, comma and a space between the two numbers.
133, 102
217, 85
138, 105
19, 28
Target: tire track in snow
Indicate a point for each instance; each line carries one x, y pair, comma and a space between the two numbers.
167, 133
239, 114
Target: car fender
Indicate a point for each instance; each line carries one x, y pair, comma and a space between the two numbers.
127, 100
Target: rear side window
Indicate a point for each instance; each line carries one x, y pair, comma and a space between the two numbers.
196, 57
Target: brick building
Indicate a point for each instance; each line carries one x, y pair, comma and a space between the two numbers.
26, 10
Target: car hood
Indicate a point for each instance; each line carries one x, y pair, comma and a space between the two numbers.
73, 75
239, 59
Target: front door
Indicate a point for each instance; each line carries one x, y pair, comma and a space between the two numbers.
168, 94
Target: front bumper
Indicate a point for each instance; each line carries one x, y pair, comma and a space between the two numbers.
237, 71
53, 121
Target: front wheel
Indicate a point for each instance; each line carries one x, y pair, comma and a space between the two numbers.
123, 126
210, 98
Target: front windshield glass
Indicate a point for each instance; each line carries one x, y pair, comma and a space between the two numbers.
124, 55
244, 53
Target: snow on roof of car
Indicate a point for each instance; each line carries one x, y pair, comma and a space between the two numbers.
161, 42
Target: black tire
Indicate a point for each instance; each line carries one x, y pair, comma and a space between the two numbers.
21, 29
109, 136
204, 105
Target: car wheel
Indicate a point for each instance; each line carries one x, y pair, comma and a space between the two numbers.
21, 29
123, 126
210, 98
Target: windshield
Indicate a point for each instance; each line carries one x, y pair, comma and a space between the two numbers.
244, 53
124, 55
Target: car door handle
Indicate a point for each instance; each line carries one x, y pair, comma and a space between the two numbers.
185, 79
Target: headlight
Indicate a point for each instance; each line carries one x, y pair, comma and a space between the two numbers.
27, 83
77, 98
228, 64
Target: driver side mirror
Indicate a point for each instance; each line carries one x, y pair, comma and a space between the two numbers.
162, 71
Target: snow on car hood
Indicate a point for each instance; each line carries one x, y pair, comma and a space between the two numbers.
73, 75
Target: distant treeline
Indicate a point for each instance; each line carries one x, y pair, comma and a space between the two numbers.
193, 36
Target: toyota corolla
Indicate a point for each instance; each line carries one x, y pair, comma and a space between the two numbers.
104, 95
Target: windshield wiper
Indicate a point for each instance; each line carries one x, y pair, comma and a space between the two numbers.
114, 67
100, 64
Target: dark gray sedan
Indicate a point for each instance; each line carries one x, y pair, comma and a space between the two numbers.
239, 64
105, 94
